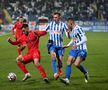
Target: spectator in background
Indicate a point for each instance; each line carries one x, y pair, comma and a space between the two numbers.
34, 7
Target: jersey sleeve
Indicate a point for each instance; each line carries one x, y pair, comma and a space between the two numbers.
20, 40
47, 27
82, 37
40, 33
13, 33
65, 30
14, 42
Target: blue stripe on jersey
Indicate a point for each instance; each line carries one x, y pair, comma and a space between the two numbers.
54, 28
58, 37
80, 30
74, 36
79, 37
78, 33
47, 27
65, 28
56, 31
81, 46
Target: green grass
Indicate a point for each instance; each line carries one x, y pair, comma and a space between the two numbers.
96, 63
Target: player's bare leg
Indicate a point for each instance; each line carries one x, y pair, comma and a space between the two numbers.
82, 68
41, 69
68, 71
21, 65
60, 61
54, 65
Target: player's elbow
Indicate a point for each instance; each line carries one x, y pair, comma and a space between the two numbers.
44, 33
84, 39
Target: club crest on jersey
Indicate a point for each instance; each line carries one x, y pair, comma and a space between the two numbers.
55, 32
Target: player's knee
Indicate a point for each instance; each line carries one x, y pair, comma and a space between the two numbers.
36, 62
19, 58
68, 62
53, 55
61, 58
77, 65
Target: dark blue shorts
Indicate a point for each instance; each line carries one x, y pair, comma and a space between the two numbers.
58, 50
78, 53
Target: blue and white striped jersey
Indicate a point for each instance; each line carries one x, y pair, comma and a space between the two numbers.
56, 31
78, 38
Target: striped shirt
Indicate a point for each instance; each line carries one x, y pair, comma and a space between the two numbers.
78, 38
56, 31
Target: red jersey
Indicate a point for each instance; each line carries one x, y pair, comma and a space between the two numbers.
19, 41
17, 26
32, 40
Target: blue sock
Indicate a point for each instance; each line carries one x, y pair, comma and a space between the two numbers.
82, 69
68, 71
54, 66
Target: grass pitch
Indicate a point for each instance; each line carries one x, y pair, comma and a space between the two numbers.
96, 63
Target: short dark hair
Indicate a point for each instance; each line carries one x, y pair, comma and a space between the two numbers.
25, 21
24, 26
70, 18
20, 16
57, 13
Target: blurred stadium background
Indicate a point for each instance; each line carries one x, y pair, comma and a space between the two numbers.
91, 14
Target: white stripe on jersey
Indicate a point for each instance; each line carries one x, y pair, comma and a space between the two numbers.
56, 31
81, 39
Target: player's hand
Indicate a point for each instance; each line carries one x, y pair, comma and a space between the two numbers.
9, 39
14, 36
74, 46
68, 30
74, 39
65, 46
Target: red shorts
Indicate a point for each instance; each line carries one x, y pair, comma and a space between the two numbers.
30, 56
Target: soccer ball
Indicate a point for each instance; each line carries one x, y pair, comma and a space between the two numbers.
11, 76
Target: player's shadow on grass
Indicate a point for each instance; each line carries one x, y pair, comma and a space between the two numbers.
35, 81
93, 76
98, 79
103, 81
96, 53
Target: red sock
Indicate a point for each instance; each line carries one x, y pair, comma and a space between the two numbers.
42, 71
22, 67
19, 51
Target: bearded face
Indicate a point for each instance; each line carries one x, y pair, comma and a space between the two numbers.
69, 24
25, 31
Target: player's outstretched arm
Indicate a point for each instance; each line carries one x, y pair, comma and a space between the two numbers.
40, 33
13, 29
12, 42
23, 47
83, 40
65, 46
